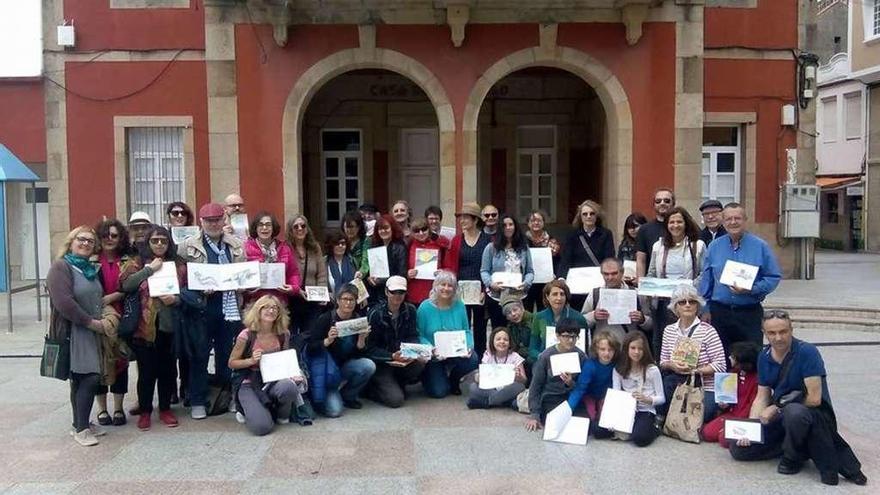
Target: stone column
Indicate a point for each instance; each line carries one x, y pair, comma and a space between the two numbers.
689, 104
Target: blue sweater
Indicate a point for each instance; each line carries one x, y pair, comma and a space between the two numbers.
431, 319
594, 381
752, 250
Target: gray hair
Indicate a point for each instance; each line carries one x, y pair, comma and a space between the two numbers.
684, 292
509, 307
443, 276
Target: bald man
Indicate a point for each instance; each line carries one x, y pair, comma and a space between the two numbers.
233, 204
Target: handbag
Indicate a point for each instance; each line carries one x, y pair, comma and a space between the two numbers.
685, 417
131, 315
55, 361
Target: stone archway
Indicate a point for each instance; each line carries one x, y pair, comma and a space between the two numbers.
617, 161
363, 58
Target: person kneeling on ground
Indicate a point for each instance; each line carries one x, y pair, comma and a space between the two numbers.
266, 332
595, 380
794, 406
392, 322
636, 373
499, 352
546, 390
744, 362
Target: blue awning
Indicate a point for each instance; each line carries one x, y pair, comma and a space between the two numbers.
14, 170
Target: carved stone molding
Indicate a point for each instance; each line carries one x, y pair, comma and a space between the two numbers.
457, 17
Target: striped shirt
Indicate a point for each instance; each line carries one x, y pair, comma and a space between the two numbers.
711, 350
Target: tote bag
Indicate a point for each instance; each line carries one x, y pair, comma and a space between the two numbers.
685, 417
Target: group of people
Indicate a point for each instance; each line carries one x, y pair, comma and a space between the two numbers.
99, 285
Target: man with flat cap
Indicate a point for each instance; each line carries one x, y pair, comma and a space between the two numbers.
712, 228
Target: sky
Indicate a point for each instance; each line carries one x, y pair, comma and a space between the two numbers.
21, 44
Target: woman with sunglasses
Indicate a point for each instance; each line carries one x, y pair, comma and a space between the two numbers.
160, 319
113, 254
387, 233
264, 246
75, 302
587, 246
464, 258
690, 346
420, 239
179, 214
312, 269
341, 267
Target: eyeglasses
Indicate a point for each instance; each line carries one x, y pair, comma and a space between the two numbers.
687, 302
299, 226
397, 292
490, 215
347, 300
776, 313
177, 213
235, 205
265, 224
110, 235
158, 241
657, 201
85, 240
567, 336
139, 226
272, 308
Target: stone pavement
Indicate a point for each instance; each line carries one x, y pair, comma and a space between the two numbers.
428, 446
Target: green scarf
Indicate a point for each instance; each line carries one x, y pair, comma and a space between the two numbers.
88, 270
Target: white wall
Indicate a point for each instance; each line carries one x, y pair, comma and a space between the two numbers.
837, 150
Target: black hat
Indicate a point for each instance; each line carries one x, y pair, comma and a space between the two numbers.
369, 208
711, 203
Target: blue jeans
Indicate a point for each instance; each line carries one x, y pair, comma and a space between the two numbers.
441, 376
356, 373
220, 335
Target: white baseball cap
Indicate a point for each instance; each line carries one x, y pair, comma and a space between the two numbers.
396, 283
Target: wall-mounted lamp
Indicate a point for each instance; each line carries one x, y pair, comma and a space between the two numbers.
807, 65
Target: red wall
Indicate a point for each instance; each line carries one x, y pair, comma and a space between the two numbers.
773, 24
264, 88
99, 27
23, 124
760, 86
181, 91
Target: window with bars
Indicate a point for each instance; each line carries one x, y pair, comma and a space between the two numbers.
876, 17
341, 170
536, 170
721, 164
155, 169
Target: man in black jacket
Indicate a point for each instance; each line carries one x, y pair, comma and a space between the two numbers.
392, 321
712, 228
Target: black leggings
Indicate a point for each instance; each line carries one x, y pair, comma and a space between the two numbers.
83, 388
644, 431
156, 363
120, 385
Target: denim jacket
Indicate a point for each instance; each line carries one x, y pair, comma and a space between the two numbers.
493, 261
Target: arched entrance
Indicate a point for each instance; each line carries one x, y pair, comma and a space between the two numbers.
412, 74
615, 145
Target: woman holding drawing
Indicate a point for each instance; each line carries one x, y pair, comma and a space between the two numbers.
265, 332
153, 339
691, 346
538, 237
444, 313
421, 242
506, 268
341, 268
264, 246
337, 359
387, 233
588, 245
310, 263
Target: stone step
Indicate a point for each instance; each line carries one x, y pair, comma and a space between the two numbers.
799, 312
833, 322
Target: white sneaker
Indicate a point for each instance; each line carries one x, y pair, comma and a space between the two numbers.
240, 418
96, 430
85, 438
198, 412
282, 421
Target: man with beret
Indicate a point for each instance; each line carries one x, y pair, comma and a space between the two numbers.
712, 228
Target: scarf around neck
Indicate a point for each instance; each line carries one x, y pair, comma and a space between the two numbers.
88, 270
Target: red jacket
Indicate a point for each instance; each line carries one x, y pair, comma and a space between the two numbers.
285, 255
417, 290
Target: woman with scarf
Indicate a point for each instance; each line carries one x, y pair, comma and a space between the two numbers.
341, 267
265, 247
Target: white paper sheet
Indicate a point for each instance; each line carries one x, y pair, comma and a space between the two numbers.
179, 234
618, 411
352, 327
164, 282
560, 426
279, 365
470, 291
726, 385
542, 264
629, 269
619, 303
272, 275
734, 429
551, 340
508, 279
239, 223
496, 375
556, 420
566, 362
415, 351
447, 232
378, 259
660, 287
740, 274
363, 294
585, 279
426, 263
316, 293
231, 276
451, 343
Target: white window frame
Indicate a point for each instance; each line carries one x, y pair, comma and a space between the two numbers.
846, 97
713, 152
359, 155
536, 175
157, 209
870, 20
831, 137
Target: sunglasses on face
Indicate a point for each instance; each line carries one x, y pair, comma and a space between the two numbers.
299, 226
490, 215
85, 240
776, 313
272, 308
110, 235
397, 292
420, 230
158, 241
588, 214
177, 213
687, 302
657, 201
